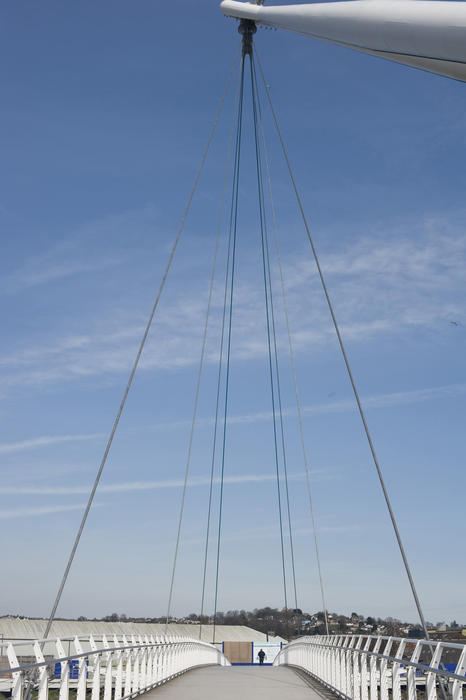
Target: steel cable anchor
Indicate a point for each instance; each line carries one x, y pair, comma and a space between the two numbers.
247, 28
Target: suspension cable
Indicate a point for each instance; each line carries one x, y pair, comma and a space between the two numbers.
274, 336
233, 233
217, 403
268, 321
196, 402
295, 381
346, 361
136, 361
301, 431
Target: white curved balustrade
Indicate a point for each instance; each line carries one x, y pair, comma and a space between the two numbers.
381, 668
122, 667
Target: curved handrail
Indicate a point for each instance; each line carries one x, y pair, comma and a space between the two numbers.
124, 670
363, 667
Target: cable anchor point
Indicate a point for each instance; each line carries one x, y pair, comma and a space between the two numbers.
247, 28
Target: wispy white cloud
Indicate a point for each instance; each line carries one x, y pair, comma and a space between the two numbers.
376, 401
70, 256
7, 513
262, 534
381, 284
398, 398
125, 487
43, 270
395, 399
307, 531
398, 283
44, 441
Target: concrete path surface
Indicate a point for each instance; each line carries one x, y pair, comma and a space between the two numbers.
236, 683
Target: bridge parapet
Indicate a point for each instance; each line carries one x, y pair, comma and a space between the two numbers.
122, 667
381, 668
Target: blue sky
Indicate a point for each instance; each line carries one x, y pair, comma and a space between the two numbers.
106, 110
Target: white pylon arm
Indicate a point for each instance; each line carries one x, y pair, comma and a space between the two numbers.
430, 35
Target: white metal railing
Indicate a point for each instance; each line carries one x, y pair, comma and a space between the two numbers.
122, 666
381, 668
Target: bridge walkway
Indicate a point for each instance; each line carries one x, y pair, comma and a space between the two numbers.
237, 683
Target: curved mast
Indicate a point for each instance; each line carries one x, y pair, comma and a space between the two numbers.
426, 34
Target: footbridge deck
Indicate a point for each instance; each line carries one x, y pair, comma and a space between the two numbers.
234, 682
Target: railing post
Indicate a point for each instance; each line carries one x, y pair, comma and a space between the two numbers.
63, 693
383, 670
43, 690
317, 660
108, 670
95, 695
17, 689
169, 657
349, 668
328, 677
457, 688
374, 680
140, 652
128, 669
431, 682
142, 664
163, 664
119, 670
356, 694
396, 672
335, 652
342, 680
411, 673
82, 671
150, 661
135, 683
364, 671
174, 648
147, 667
168, 660
157, 660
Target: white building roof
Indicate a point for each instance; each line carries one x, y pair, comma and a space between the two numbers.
15, 628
